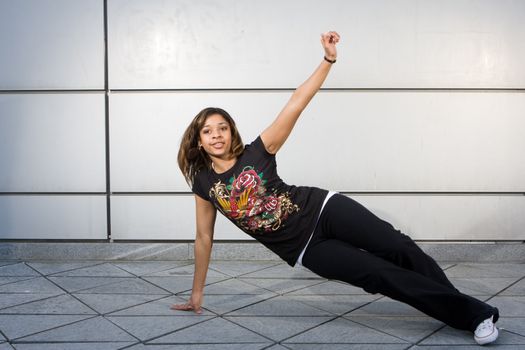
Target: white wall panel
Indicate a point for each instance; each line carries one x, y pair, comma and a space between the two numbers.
51, 44
256, 44
52, 143
346, 141
423, 217
166, 217
53, 217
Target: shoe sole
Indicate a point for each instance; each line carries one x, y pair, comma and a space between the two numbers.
487, 339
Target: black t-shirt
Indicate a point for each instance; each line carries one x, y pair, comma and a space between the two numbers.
255, 199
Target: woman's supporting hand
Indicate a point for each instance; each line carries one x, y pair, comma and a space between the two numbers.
329, 41
193, 304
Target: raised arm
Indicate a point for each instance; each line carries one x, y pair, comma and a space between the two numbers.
277, 133
206, 214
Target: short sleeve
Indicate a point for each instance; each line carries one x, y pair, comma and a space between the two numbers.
258, 146
198, 186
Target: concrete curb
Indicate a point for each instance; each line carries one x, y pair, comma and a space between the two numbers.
441, 251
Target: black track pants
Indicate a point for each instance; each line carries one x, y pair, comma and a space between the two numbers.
353, 245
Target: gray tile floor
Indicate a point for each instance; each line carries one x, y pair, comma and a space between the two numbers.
248, 305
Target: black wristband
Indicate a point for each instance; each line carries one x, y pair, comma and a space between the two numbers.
329, 61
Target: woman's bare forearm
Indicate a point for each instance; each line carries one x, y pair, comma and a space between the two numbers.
202, 250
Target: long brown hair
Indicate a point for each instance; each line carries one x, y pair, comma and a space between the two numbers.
191, 159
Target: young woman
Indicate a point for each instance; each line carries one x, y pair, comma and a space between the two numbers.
328, 233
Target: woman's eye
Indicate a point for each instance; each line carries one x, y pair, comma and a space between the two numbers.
205, 131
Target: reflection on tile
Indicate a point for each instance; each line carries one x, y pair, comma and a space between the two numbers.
281, 270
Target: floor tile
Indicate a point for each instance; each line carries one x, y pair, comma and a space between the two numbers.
386, 307
517, 289
16, 326
75, 284
7, 280
106, 303
473, 270
62, 304
101, 270
281, 285
35, 285
186, 271
347, 346
12, 299
509, 306
450, 336
95, 329
277, 347
233, 286
217, 330
482, 285
281, 270
329, 287
411, 329
343, 331
512, 324
6, 346
73, 346
179, 284
279, 306
279, 328
148, 327
336, 304
224, 346
50, 267
492, 346
126, 286
141, 268
222, 304
17, 270
239, 268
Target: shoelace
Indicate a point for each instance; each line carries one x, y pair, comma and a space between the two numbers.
487, 324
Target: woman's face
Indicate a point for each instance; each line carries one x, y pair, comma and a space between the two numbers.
216, 137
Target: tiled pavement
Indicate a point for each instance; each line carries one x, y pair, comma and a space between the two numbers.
249, 305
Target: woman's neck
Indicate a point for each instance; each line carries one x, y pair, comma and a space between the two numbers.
222, 165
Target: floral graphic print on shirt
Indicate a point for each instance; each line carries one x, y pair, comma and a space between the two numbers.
245, 200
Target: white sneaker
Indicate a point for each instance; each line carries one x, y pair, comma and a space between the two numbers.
486, 332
